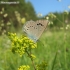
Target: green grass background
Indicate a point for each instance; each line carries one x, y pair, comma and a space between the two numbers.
53, 47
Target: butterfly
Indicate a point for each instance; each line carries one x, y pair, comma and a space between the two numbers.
34, 29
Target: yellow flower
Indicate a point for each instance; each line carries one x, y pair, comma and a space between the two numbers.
47, 18
33, 56
8, 23
24, 67
3, 9
35, 45
1, 12
5, 15
2, 24
66, 12
20, 44
23, 20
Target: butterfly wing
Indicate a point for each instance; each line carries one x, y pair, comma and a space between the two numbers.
35, 29
41, 25
29, 29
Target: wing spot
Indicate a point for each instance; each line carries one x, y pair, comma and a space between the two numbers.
40, 24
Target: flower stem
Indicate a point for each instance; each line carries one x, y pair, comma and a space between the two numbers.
31, 60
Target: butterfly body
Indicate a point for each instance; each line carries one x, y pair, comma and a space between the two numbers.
34, 29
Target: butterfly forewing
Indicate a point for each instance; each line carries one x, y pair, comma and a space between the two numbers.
41, 24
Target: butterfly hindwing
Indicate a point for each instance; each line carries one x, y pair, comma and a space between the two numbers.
30, 29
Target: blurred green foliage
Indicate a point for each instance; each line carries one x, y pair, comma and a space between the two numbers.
53, 48
13, 15
61, 19
23, 9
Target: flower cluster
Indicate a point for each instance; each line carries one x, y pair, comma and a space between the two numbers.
67, 26
50, 23
66, 12
19, 19
24, 67
42, 66
51, 15
21, 44
4, 23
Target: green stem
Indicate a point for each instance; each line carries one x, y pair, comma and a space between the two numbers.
65, 52
59, 20
54, 61
65, 44
31, 60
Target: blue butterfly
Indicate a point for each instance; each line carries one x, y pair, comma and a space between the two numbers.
34, 29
